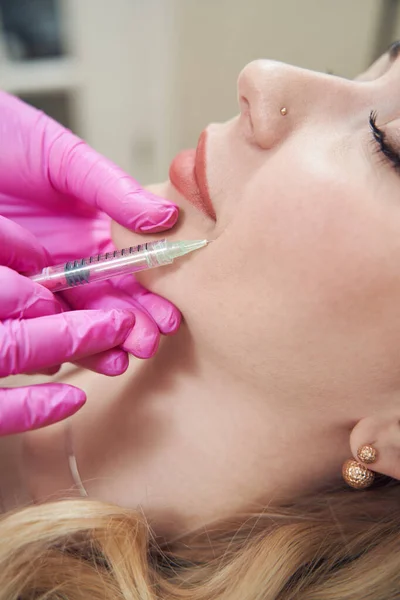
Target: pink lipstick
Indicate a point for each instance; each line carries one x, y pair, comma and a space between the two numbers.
188, 175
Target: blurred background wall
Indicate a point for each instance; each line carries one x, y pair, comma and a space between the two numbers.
140, 79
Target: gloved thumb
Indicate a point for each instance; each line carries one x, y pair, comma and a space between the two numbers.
27, 408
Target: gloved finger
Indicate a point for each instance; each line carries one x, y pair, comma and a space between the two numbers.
163, 312
19, 249
102, 295
111, 362
44, 161
32, 345
49, 371
76, 169
144, 338
27, 408
21, 298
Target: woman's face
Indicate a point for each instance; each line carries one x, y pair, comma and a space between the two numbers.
292, 313
303, 274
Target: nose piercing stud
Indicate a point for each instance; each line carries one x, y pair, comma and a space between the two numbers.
283, 111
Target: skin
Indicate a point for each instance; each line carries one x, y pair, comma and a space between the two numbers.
289, 356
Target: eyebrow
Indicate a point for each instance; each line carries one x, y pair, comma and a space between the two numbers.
394, 50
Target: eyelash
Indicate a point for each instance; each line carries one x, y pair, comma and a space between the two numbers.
383, 145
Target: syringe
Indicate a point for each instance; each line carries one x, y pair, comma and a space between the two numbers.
111, 264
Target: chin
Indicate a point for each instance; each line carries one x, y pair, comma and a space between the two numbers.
191, 224
123, 237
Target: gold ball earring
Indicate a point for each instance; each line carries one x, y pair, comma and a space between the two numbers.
355, 474
283, 111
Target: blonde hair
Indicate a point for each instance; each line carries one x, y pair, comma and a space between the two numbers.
344, 545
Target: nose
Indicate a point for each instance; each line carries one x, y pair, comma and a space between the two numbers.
277, 98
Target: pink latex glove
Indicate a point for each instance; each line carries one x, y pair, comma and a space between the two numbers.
65, 194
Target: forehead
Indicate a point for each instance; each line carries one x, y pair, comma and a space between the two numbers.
380, 65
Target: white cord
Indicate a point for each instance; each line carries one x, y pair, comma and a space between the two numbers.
73, 465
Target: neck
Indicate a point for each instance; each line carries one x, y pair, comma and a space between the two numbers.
179, 435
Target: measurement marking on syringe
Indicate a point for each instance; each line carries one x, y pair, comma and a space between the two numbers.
114, 263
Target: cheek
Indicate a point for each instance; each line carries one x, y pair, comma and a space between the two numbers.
313, 243
310, 280
318, 236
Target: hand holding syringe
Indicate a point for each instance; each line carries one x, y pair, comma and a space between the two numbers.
112, 264
66, 197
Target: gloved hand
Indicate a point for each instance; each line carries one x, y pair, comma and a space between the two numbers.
65, 194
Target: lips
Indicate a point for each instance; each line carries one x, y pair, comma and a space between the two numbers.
188, 175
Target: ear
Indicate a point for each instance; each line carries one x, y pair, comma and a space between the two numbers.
382, 431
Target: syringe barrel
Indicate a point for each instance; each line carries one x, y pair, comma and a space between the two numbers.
103, 266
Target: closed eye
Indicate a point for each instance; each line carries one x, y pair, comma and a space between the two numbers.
384, 145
